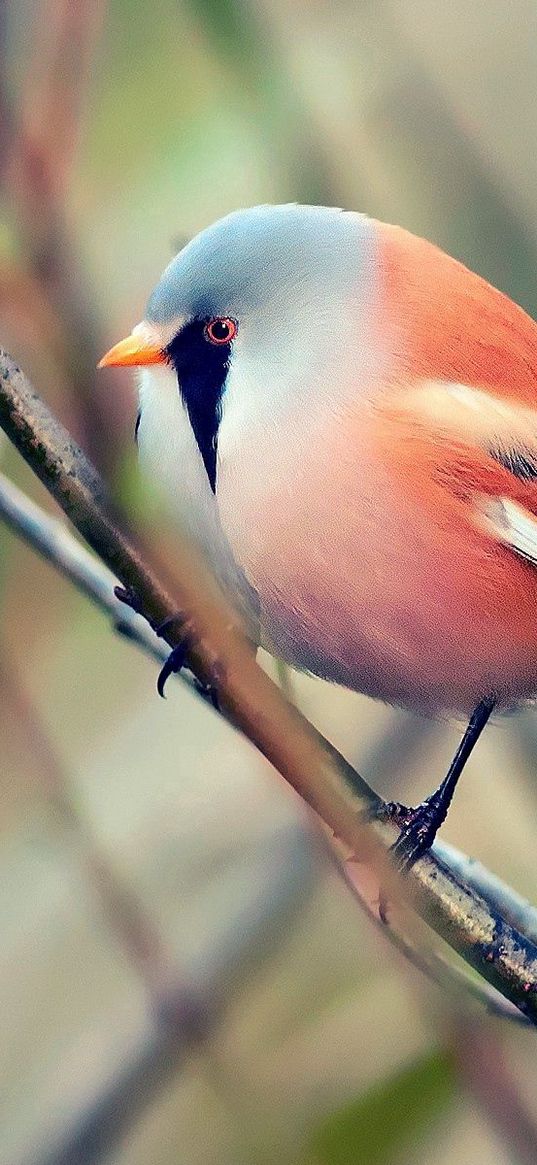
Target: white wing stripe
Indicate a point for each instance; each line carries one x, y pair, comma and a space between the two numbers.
513, 525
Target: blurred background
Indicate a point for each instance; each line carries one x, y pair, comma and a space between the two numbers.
184, 977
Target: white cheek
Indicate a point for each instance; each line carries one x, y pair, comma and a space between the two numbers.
264, 387
291, 371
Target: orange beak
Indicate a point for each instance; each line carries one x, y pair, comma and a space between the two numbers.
134, 350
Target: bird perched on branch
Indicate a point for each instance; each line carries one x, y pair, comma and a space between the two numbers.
347, 419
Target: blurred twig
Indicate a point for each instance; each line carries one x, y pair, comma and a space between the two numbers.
221, 657
124, 914
185, 1016
64, 37
483, 1067
38, 138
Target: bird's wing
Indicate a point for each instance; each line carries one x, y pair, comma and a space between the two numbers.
465, 363
483, 448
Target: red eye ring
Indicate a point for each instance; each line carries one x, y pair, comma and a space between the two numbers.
221, 330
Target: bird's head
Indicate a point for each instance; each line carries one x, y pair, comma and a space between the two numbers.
256, 315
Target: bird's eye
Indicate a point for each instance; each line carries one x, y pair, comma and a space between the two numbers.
221, 330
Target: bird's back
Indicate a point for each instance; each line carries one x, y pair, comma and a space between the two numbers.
452, 324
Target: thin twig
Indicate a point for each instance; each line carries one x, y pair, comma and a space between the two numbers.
39, 135
432, 961
222, 657
512, 906
185, 1018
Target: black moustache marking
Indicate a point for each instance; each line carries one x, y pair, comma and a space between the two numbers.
201, 369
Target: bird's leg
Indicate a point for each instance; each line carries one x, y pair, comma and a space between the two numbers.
177, 657
423, 822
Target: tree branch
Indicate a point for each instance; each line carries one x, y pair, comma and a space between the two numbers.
221, 657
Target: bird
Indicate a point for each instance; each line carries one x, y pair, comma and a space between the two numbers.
345, 419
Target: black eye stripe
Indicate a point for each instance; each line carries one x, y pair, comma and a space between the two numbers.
202, 369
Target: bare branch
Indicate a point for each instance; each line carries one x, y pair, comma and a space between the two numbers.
433, 961
221, 656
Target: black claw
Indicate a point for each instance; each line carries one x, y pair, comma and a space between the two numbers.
129, 597
174, 663
177, 657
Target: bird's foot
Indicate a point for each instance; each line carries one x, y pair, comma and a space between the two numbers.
419, 827
394, 813
177, 657
176, 662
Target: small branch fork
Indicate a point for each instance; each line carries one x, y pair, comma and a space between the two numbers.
448, 891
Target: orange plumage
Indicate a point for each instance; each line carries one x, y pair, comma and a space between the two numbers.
455, 325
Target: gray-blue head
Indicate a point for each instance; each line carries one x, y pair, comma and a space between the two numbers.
253, 310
